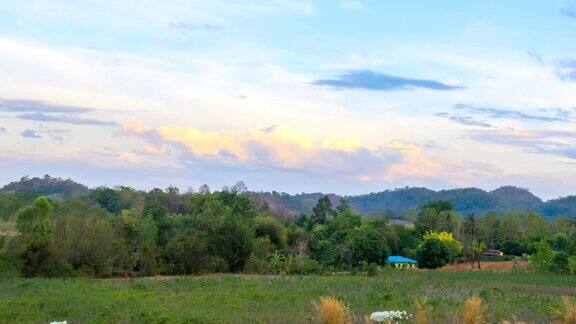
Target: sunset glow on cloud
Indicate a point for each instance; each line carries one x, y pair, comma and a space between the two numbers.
279, 95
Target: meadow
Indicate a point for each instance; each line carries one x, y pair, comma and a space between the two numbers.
230, 298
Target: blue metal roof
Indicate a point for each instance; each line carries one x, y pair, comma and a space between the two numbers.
399, 259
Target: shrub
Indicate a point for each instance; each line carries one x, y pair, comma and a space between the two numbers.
216, 263
560, 263
559, 242
452, 244
541, 260
421, 311
513, 248
34, 225
266, 226
473, 311
302, 264
433, 253
330, 310
234, 243
190, 252
572, 264
567, 314
368, 245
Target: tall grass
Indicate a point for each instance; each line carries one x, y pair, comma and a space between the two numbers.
421, 311
513, 321
473, 311
567, 314
330, 310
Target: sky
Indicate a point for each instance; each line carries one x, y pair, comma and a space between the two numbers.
349, 96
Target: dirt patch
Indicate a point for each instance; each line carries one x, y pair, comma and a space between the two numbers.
502, 266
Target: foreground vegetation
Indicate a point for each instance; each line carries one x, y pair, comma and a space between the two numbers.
70, 257
231, 298
111, 232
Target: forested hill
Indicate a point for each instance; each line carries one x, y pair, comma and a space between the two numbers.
399, 202
403, 202
48, 186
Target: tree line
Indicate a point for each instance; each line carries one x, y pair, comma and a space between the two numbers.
126, 232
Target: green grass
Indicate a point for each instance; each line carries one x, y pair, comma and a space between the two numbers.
237, 299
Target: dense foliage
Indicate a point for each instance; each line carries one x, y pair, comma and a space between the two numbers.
405, 202
126, 232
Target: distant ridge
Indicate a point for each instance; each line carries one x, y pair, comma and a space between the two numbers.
398, 202
48, 186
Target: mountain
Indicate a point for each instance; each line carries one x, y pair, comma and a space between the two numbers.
515, 198
562, 206
48, 186
401, 203
408, 200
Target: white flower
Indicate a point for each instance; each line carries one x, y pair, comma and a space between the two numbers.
389, 315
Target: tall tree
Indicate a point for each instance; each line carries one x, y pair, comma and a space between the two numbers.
473, 247
322, 211
34, 225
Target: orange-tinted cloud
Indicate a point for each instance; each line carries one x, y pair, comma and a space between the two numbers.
286, 148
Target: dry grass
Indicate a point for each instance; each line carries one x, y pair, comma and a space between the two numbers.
500, 266
421, 311
513, 321
332, 311
473, 311
566, 315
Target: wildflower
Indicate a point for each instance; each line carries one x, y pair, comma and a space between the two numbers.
389, 316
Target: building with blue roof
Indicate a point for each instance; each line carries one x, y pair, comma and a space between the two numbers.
401, 262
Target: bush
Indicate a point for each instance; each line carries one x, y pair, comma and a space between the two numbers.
514, 248
368, 245
234, 243
541, 260
8, 266
433, 253
266, 226
216, 264
257, 266
560, 263
302, 264
454, 247
559, 242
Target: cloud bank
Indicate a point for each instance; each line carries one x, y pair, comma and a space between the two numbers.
369, 80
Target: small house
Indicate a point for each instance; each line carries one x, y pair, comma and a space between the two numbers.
401, 262
493, 252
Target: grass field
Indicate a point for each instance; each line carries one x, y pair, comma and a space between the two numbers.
275, 299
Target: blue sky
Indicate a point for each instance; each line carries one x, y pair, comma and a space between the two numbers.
335, 96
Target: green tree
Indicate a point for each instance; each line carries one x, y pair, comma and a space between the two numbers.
369, 245
266, 226
439, 206
108, 198
140, 234
560, 263
513, 248
322, 211
559, 242
344, 220
83, 239
437, 215
344, 206
34, 225
432, 254
234, 243
188, 252
542, 258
